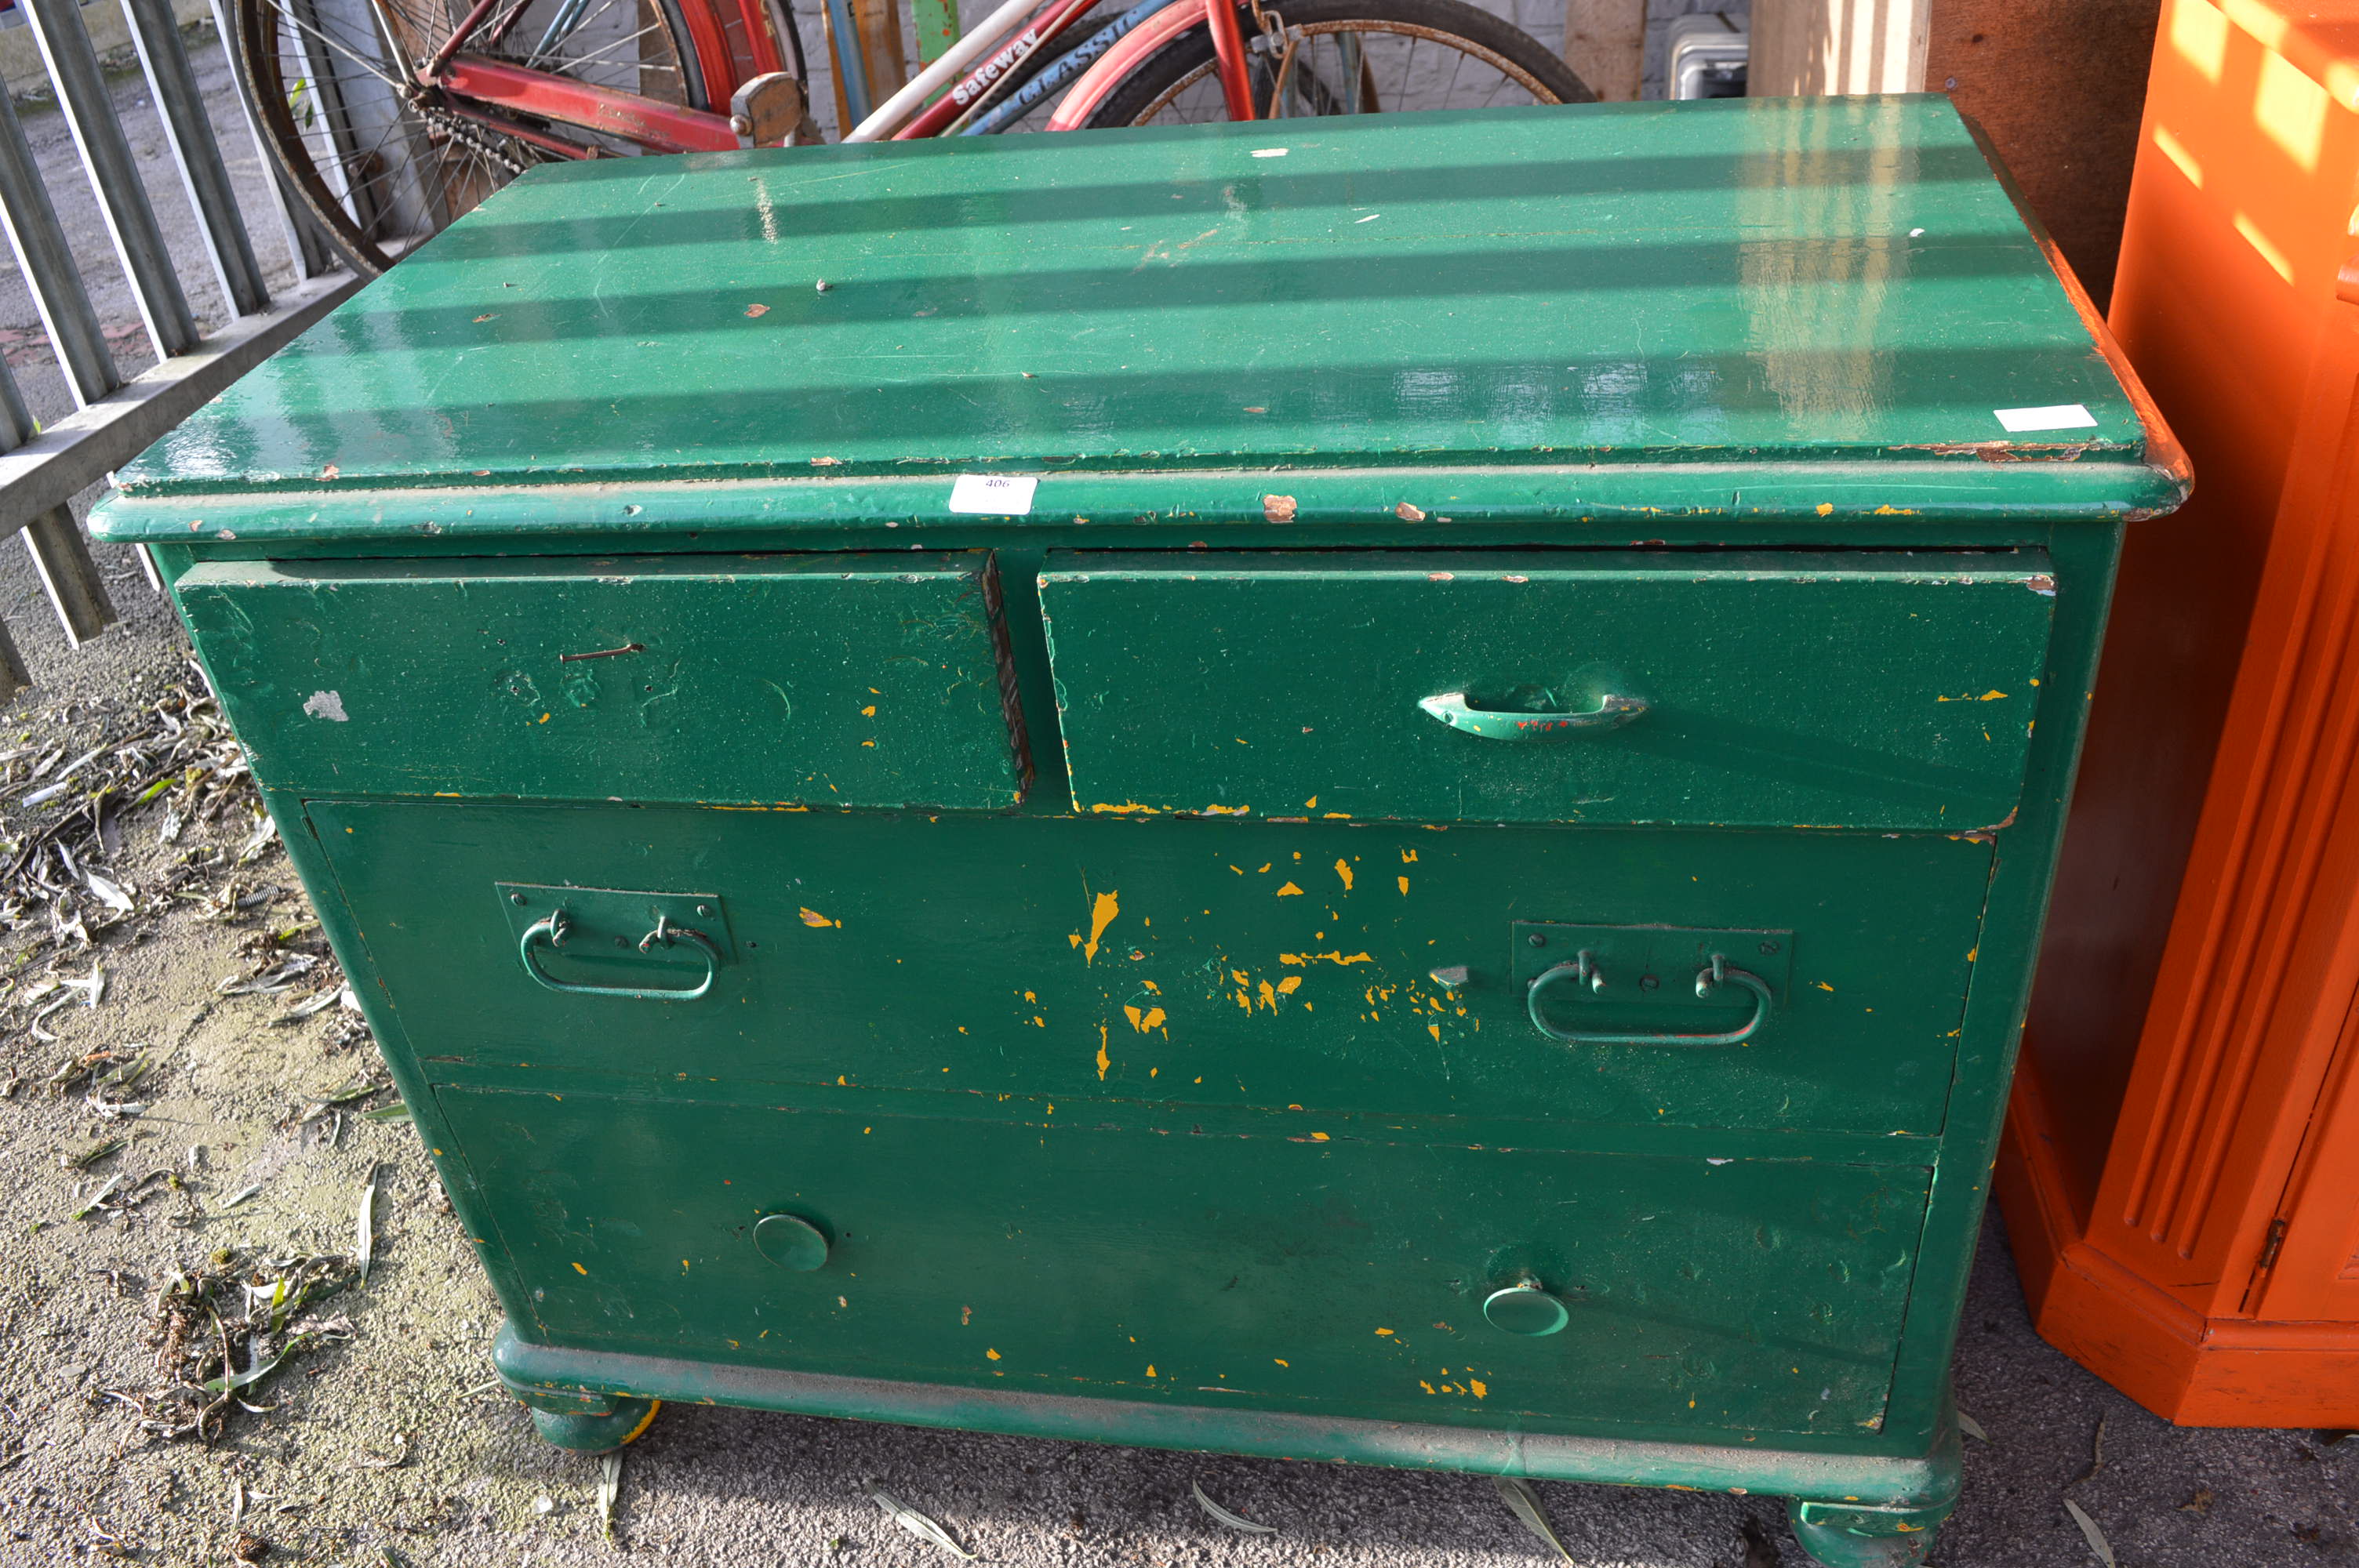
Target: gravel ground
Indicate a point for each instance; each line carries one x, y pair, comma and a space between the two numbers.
303, 1477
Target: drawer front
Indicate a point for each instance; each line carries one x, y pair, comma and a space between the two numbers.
843, 680
1853, 690
1345, 1278
1186, 963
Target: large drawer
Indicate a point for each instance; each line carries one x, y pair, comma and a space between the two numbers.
1890, 691
1335, 969
843, 680
1340, 1278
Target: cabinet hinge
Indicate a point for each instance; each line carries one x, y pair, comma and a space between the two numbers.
2270, 1249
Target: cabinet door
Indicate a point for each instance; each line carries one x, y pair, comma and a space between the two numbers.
1342, 1277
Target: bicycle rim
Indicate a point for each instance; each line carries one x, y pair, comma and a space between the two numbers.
383, 164
1352, 56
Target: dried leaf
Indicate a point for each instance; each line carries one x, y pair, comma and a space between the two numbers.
108, 891
1972, 1428
240, 1195
393, 1461
102, 1194
2088, 1531
257, 1370
916, 1524
610, 1488
93, 1154
397, 1111
1234, 1521
1518, 1495
364, 1229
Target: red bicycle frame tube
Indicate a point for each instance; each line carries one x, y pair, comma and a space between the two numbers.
1229, 49
1125, 56
663, 127
954, 103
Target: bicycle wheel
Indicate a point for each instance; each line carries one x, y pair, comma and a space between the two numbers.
382, 163
1351, 57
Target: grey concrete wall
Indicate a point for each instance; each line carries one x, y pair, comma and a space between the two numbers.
20, 58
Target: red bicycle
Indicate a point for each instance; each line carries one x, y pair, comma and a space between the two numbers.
389, 118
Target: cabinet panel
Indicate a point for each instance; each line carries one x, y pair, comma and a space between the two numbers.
1748, 1293
844, 680
1862, 689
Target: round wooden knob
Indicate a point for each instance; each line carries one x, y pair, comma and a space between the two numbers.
789, 1242
1525, 1309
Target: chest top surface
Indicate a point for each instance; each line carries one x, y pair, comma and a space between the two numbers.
1733, 285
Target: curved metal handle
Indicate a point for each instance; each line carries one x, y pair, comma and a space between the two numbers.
1497, 724
1710, 978
555, 928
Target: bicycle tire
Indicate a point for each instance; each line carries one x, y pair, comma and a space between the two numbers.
338, 199
1188, 59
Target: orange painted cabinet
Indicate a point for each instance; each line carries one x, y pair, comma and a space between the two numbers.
2180, 1172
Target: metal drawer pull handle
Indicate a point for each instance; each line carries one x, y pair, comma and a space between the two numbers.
556, 927
1497, 724
1710, 978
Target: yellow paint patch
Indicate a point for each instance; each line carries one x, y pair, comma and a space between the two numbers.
869, 711
1290, 890
1142, 1021
1322, 1138
580, 1269
1343, 870
1826, 508
1302, 958
1150, 1371
1311, 805
1434, 1030
1482, 1389
1103, 911
1283, 1362
813, 917
1824, 986
1384, 1331
1285, 988
1404, 885
1106, 1061
1127, 808
1994, 695
992, 1354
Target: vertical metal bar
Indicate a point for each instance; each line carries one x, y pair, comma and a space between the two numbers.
304, 247
156, 36
107, 156
50, 270
13, 677
62, 559
937, 25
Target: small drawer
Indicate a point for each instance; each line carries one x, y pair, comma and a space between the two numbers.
1403, 1281
838, 680
1872, 690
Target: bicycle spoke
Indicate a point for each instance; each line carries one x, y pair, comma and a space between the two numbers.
368, 65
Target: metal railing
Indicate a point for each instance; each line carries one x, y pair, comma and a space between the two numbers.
41, 467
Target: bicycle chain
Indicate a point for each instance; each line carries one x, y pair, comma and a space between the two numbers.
463, 130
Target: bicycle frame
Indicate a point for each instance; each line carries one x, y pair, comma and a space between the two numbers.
468, 83
466, 79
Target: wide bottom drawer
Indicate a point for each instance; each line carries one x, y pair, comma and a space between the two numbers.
1345, 1277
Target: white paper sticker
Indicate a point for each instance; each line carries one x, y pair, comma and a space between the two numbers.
999, 495
2057, 417
1269, 151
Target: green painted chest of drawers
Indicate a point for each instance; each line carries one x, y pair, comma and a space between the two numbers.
1372, 790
